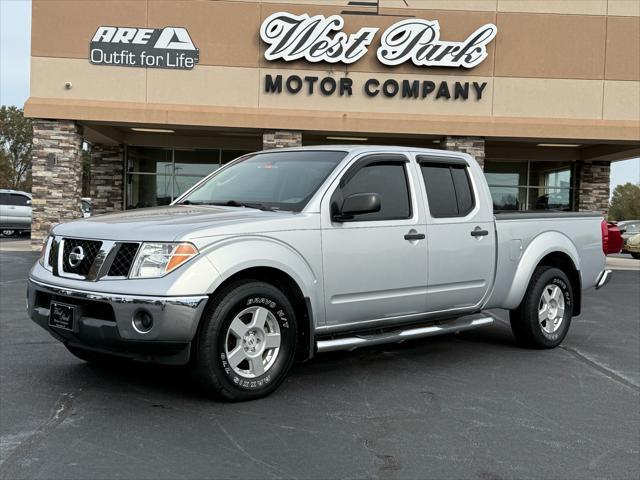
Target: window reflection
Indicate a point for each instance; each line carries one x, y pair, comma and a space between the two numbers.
530, 185
157, 176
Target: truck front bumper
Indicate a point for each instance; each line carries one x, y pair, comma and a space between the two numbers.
104, 322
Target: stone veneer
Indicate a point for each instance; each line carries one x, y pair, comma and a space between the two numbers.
592, 186
56, 175
474, 146
107, 178
281, 139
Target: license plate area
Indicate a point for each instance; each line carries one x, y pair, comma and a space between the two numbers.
62, 316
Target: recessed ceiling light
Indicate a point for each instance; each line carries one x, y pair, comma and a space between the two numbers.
349, 139
152, 130
565, 145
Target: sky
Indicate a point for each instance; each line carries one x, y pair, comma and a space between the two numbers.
15, 30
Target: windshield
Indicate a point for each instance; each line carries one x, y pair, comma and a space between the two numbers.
269, 181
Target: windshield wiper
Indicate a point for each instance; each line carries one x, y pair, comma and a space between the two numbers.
235, 203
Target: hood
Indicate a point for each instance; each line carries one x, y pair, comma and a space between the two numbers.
173, 223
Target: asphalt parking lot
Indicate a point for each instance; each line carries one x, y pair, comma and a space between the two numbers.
471, 405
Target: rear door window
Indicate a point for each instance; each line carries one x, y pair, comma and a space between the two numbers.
449, 189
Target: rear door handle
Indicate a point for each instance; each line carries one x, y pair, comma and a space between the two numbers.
478, 232
414, 236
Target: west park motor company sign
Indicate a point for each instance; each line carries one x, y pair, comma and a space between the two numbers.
316, 39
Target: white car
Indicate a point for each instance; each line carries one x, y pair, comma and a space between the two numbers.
15, 212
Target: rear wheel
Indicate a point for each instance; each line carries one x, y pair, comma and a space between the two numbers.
246, 343
636, 255
543, 317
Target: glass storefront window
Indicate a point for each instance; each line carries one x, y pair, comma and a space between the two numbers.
510, 174
530, 185
148, 190
549, 199
508, 198
157, 176
198, 163
150, 160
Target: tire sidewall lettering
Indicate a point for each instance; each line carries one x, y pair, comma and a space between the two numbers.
281, 316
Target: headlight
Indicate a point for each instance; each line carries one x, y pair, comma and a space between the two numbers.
44, 252
155, 260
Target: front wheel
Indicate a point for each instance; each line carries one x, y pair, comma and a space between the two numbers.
246, 343
543, 317
636, 255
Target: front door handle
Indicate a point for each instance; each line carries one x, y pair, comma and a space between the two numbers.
478, 232
413, 235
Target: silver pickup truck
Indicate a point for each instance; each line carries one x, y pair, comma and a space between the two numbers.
286, 253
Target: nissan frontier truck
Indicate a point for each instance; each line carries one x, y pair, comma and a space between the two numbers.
287, 253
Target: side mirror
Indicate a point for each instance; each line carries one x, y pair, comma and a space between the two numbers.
358, 204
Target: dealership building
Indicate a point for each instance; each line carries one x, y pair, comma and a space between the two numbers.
544, 94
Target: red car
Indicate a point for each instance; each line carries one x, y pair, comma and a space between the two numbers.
611, 238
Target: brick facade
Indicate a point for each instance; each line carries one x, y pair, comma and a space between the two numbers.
474, 146
281, 139
56, 175
592, 186
107, 178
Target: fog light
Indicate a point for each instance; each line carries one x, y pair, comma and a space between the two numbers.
142, 321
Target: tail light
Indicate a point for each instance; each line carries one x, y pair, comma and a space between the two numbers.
611, 238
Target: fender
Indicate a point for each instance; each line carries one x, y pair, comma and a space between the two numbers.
538, 248
235, 254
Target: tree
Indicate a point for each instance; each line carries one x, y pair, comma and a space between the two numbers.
625, 202
5, 170
16, 143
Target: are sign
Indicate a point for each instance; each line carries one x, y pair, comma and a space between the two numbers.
169, 47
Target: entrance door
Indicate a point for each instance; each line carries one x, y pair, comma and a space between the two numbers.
460, 235
375, 266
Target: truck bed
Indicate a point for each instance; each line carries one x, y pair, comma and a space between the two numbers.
523, 238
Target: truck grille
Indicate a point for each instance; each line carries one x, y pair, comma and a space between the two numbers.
123, 260
91, 259
88, 249
53, 253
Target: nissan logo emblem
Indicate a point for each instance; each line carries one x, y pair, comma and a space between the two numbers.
76, 256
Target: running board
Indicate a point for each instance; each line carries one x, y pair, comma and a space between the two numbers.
399, 336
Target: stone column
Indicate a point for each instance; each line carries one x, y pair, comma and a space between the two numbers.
474, 146
107, 178
281, 139
592, 185
56, 175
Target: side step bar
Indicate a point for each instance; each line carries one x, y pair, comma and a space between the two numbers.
399, 336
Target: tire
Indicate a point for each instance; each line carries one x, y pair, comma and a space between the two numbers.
636, 255
533, 328
246, 341
94, 357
